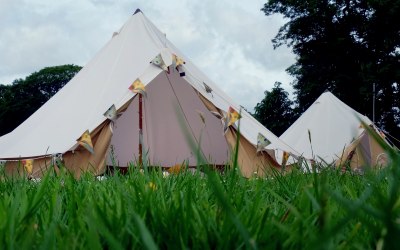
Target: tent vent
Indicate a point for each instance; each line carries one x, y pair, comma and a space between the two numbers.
137, 11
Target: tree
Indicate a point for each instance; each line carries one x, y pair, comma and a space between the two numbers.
347, 47
24, 96
275, 111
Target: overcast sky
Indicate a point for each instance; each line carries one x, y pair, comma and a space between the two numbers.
230, 40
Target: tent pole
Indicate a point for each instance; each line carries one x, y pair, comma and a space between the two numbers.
373, 103
140, 130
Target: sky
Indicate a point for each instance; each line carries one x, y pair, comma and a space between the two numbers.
229, 40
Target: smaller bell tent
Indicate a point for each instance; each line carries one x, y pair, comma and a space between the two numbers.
330, 131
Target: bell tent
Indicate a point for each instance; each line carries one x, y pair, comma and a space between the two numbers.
139, 99
330, 131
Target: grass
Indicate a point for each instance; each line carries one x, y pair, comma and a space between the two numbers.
329, 210
144, 210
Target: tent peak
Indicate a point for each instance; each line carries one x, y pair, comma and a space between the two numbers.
137, 11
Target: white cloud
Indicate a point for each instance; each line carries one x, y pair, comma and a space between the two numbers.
228, 40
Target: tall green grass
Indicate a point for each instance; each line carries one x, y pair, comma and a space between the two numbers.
328, 210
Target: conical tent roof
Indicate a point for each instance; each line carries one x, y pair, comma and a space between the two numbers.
330, 124
104, 81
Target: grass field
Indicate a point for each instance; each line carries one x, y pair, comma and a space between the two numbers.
329, 210
325, 210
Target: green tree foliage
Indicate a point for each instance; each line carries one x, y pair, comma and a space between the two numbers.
345, 46
24, 96
275, 110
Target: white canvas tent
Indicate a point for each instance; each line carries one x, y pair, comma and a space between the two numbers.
328, 128
177, 109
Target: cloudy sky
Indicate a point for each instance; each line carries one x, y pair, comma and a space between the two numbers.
230, 40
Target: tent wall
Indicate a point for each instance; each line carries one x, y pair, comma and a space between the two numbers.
81, 160
16, 168
249, 161
77, 161
172, 116
364, 152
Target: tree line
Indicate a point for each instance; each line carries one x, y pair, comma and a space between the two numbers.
348, 47
23, 97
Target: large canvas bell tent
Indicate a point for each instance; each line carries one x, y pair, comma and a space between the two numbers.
139, 99
330, 131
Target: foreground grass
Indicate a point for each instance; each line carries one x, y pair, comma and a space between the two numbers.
329, 210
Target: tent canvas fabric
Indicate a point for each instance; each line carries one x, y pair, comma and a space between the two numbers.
178, 109
363, 152
329, 129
